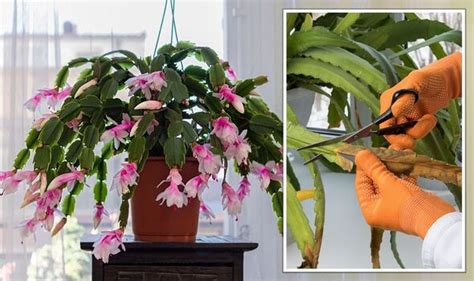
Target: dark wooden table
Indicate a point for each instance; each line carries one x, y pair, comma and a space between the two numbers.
210, 258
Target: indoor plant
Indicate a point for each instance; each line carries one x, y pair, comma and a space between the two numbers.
189, 119
351, 58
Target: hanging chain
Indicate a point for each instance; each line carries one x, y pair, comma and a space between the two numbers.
174, 30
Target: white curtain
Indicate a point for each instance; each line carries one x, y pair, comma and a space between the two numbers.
30, 54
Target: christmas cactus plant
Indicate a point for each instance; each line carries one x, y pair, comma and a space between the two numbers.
151, 106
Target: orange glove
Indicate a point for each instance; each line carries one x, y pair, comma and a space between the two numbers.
392, 203
436, 85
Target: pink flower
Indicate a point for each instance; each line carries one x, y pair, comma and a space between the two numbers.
225, 130
68, 179
119, 132
28, 227
244, 188
172, 195
42, 94
99, 212
263, 172
11, 181
40, 121
46, 202
125, 177
208, 162
229, 71
230, 199
108, 245
239, 149
156, 80
196, 185
206, 211
57, 97
51, 95
137, 83
226, 94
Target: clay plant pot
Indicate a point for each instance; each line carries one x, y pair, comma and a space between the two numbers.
156, 222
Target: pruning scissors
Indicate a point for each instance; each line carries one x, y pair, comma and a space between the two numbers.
368, 130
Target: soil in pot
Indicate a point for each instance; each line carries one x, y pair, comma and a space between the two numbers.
156, 222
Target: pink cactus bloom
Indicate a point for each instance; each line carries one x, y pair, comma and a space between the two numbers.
239, 150
57, 97
229, 71
230, 199
28, 227
208, 162
99, 213
46, 203
137, 83
119, 132
244, 189
108, 245
156, 80
206, 211
263, 172
125, 177
196, 185
172, 195
11, 181
226, 94
68, 179
225, 130
40, 121
42, 94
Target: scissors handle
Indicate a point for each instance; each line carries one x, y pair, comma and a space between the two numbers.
389, 114
396, 129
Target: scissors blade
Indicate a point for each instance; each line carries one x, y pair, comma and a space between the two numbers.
362, 133
325, 142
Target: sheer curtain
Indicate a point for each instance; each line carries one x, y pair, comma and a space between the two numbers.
30, 56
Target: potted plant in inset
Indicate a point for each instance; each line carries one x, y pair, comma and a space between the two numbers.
181, 126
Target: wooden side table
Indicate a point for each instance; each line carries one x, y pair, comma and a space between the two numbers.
210, 258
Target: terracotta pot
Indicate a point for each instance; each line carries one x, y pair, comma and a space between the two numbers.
155, 222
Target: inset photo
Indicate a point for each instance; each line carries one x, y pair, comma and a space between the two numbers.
374, 140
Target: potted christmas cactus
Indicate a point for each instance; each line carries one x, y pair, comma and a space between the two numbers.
180, 125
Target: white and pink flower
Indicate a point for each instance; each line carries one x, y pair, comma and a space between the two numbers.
172, 195
195, 186
226, 94
225, 130
148, 81
10, 180
149, 105
206, 211
208, 162
263, 172
230, 199
239, 149
156, 80
244, 188
109, 244
99, 213
119, 132
125, 177
52, 96
28, 228
68, 179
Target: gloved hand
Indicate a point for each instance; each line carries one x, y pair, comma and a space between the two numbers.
436, 85
393, 203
